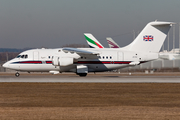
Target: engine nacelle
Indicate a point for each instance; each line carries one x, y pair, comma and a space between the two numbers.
65, 61
55, 61
62, 61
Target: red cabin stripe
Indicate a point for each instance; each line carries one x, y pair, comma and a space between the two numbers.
31, 62
48, 62
103, 62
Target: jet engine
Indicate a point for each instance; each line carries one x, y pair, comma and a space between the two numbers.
62, 61
55, 61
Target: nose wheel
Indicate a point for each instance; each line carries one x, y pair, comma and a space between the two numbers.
17, 74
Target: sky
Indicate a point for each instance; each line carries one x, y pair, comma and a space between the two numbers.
55, 23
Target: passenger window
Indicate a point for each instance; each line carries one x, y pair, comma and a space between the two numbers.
110, 57
26, 56
103, 57
106, 57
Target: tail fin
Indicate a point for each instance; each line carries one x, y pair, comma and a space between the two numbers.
151, 37
112, 43
92, 41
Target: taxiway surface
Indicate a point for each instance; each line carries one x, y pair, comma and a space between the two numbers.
99, 96
72, 78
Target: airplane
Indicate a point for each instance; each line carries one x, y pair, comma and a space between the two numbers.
81, 61
174, 54
94, 43
162, 55
112, 43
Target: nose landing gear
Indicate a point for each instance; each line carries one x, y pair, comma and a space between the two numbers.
17, 74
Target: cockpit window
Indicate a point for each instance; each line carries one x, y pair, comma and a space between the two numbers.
22, 56
26, 56
18, 56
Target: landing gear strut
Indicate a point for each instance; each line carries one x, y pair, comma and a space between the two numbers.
17, 74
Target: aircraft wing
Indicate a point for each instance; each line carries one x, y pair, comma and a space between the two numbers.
79, 51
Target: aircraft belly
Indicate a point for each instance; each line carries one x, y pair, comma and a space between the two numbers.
105, 67
36, 67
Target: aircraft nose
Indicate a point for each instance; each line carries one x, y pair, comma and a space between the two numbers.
5, 65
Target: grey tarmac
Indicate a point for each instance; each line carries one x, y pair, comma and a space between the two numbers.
92, 78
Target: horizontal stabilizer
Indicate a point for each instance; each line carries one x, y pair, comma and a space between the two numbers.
169, 56
159, 23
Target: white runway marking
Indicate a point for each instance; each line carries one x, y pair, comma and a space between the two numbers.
92, 79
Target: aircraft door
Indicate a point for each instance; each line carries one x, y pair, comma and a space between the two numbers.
120, 56
36, 55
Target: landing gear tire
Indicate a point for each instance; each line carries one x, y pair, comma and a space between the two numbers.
82, 74
17, 74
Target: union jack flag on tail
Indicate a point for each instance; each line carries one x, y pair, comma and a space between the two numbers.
148, 38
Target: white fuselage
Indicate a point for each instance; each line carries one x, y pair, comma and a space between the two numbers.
144, 48
41, 60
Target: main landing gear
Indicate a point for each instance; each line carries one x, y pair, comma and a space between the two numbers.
17, 74
82, 74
